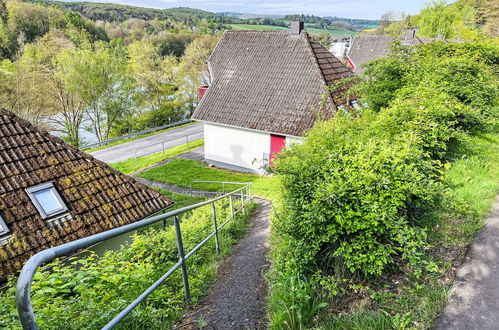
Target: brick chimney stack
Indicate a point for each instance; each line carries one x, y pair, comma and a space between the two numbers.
297, 27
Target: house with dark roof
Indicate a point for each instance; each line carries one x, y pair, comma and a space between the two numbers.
367, 47
51, 193
268, 89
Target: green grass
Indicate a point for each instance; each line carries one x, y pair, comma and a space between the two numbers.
181, 172
247, 27
101, 287
181, 200
115, 143
131, 165
473, 183
308, 28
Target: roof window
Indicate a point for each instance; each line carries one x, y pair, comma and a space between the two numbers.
4, 230
46, 200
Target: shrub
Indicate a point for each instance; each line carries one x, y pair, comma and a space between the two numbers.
87, 292
360, 190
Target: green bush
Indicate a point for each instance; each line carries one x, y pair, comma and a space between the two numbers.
87, 292
359, 192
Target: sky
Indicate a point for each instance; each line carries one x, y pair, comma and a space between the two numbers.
371, 9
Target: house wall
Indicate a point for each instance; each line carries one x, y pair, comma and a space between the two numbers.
237, 148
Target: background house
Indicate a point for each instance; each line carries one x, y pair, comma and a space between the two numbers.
52, 193
268, 88
368, 47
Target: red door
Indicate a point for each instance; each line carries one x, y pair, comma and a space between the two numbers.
277, 142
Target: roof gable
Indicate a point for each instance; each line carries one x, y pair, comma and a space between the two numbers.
98, 197
269, 81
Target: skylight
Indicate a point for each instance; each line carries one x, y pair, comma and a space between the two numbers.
46, 200
4, 230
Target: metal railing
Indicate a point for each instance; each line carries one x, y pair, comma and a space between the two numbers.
23, 289
184, 139
147, 131
224, 183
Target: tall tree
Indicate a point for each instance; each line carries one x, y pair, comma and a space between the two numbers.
193, 71
155, 78
324, 38
96, 76
448, 21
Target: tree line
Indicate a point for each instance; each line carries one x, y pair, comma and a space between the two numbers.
66, 73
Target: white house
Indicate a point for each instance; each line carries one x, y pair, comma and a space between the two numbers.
268, 88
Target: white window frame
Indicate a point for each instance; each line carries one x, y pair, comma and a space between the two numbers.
48, 185
4, 230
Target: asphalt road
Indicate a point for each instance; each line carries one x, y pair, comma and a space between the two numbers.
151, 144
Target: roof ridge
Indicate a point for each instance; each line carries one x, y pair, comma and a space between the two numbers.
332, 60
316, 62
27, 124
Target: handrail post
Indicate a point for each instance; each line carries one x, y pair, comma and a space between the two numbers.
231, 206
242, 201
223, 187
216, 227
163, 144
181, 255
136, 160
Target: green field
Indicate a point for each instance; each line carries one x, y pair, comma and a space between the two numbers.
257, 27
279, 28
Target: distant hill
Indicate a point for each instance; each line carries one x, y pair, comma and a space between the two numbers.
119, 13
249, 15
111, 12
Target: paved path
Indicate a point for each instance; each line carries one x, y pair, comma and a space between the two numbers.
474, 300
237, 299
150, 144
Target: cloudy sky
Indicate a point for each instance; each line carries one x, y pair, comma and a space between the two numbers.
372, 9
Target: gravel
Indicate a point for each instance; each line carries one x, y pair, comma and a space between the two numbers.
237, 299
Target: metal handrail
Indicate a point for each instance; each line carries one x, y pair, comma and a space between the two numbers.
163, 149
130, 135
223, 185
23, 289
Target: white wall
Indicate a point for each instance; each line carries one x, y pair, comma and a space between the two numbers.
235, 146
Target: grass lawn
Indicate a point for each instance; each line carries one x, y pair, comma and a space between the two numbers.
403, 302
181, 172
335, 32
181, 200
115, 143
257, 27
308, 28
131, 165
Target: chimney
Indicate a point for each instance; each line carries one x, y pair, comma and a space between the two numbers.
201, 91
411, 33
296, 28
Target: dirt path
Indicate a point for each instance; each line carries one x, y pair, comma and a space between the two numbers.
237, 299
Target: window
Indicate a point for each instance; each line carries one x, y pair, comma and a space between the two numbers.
46, 199
4, 230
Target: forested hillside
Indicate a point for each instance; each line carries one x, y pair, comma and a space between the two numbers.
66, 72
119, 13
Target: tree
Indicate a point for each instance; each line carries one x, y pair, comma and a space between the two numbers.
97, 78
26, 92
155, 78
324, 38
447, 21
386, 19
194, 70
